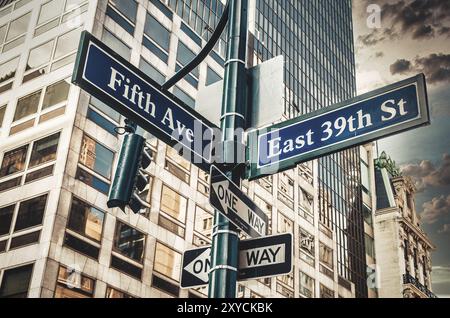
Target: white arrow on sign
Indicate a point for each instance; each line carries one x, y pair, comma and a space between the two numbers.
228, 200
199, 267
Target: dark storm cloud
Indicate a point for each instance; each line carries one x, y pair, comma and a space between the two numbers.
401, 66
436, 209
419, 19
435, 66
427, 174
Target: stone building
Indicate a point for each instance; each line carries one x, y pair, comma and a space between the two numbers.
402, 247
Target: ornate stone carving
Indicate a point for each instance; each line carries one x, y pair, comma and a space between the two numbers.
386, 162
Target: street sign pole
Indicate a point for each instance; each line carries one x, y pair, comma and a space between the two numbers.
225, 237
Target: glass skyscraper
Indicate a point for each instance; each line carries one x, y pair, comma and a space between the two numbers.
316, 39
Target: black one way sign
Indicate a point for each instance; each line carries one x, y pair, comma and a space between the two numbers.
262, 257
229, 199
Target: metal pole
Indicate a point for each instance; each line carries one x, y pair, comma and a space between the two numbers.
225, 238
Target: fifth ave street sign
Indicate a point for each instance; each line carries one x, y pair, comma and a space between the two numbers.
116, 82
229, 199
381, 113
262, 257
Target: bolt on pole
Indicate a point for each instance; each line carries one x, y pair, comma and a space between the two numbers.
225, 238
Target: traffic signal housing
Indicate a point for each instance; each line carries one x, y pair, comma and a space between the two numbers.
130, 177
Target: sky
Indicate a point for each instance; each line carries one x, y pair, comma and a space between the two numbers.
395, 40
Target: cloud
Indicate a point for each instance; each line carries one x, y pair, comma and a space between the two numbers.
440, 276
401, 66
426, 174
445, 229
419, 19
435, 66
435, 209
369, 80
379, 54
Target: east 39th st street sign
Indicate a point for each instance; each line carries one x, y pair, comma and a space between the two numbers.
381, 113
104, 74
262, 257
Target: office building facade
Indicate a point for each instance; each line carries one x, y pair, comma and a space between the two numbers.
59, 148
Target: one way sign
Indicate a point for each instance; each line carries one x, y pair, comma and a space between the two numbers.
261, 257
228, 198
195, 267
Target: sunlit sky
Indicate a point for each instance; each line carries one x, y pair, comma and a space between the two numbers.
408, 37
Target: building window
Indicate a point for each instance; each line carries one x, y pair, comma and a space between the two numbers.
55, 12
305, 170
14, 161
286, 190
96, 157
114, 293
29, 107
7, 73
117, 45
184, 56
212, 77
129, 242
124, 13
41, 162
28, 223
86, 220
365, 177
370, 245
184, 97
285, 225
307, 247
173, 211
167, 262
152, 72
367, 214
157, 32
203, 223
44, 150
15, 32
326, 292
156, 38
306, 285
177, 165
326, 255
52, 55
72, 284
306, 208
16, 282
203, 182
266, 183
267, 208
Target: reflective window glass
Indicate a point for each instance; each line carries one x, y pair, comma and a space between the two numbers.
157, 32
86, 220
96, 157
117, 45
13, 161
67, 43
44, 150
31, 213
6, 214
129, 242
167, 261
56, 93
18, 26
27, 105
8, 69
40, 55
